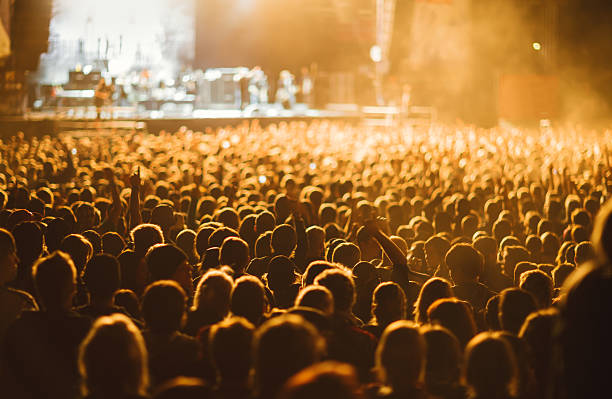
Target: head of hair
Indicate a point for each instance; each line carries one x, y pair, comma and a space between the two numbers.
283, 346
347, 254
492, 313
444, 356
521, 268
231, 348
490, 366
144, 236
464, 262
248, 299
561, 272
435, 288
183, 388
538, 284
213, 293
29, 239
55, 280
455, 315
602, 232
400, 355
326, 380
262, 245
515, 305
113, 359
512, 255
584, 252
314, 269
163, 306
342, 287
163, 260
112, 243
283, 240
102, 276
317, 297
234, 253
388, 303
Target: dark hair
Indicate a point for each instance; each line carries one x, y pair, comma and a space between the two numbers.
443, 364
54, 279
283, 240
538, 284
102, 276
515, 305
248, 299
490, 366
231, 348
163, 306
326, 380
282, 347
463, 260
400, 355
234, 253
163, 260
388, 303
435, 288
112, 243
317, 297
455, 315
144, 236
342, 287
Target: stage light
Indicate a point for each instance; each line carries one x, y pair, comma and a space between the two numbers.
262, 179
313, 166
376, 53
537, 46
225, 144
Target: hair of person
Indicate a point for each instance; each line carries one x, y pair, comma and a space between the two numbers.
231, 342
346, 254
561, 273
314, 269
400, 355
144, 236
7, 243
342, 287
183, 388
584, 252
455, 315
283, 239
281, 273
522, 267
492, 313
444, 358
29, 240
214, 289
248, 299
113, 359
234, 253
102, 276
163, 260
163, 306
602, 232
317, 297
54, 279
112, 243
283, 346
465, 261
515, 305
490, 366
325, 380
538, 284
435, 288
388, 303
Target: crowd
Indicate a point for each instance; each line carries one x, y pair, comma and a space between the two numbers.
321, 260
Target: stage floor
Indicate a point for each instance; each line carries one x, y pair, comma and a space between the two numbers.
127, 118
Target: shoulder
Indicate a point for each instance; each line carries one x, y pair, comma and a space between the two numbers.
26, 300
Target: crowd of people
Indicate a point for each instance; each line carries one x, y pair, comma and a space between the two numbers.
298, 260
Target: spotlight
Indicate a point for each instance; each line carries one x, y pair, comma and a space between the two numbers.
376, 53
537, 46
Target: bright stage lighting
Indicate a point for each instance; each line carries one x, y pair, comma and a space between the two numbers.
537, 46
376, 53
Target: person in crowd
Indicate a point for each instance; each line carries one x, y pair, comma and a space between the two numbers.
171, 353
231, 344
113, 360
490, 369
455, 315
282, 347
400, 361
435, 288
40, 347
388, 306
211, 302
325, 380
443, 363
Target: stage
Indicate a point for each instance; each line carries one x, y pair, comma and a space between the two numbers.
54, 122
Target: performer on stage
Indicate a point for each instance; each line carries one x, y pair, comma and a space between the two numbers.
285, 94
101, 96
258, 87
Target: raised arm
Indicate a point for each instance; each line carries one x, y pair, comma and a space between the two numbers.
393, 251
135, 216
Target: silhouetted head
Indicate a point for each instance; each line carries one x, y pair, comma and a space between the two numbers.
55, 281
435, 288
248, 299
113, 359
163, 306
